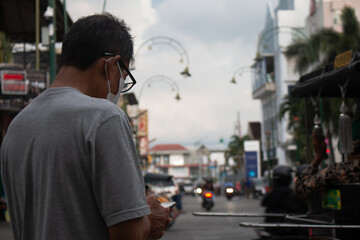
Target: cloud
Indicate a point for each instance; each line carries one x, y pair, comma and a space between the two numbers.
219, 37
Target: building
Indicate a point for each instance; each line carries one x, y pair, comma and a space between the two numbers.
327, 14
273, 75
193, 163
172, 159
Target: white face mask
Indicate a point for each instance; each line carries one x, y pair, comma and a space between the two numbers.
114, 98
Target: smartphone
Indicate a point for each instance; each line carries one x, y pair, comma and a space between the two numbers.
168, 204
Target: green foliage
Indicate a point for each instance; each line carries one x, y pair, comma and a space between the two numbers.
236, 145
322, 46
294, 109
5, 49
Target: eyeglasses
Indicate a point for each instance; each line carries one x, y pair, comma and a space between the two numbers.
128, 83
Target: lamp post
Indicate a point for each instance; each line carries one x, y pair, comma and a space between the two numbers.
172, 43
158, 78
238, 72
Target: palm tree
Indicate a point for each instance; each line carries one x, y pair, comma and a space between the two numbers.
326, 43
236, 149
298, 110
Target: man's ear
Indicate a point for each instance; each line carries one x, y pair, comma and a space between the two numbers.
112, 66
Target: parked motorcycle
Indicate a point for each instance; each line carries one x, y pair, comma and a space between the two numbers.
229, 192
207, 200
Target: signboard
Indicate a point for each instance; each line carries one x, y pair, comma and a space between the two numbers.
331, 199
251, 164
13, 82
143, 133
252, 159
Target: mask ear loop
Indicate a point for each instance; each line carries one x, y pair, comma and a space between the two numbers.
106, 73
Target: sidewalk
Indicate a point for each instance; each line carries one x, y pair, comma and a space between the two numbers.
5, 231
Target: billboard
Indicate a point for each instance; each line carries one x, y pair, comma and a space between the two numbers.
251, 164
252, 159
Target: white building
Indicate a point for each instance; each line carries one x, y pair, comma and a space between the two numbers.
273, 75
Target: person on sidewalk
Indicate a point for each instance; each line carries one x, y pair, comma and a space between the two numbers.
69, 165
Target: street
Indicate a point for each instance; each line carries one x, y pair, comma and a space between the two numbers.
190, 227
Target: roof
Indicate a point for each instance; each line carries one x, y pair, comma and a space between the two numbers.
168, 147
325, 82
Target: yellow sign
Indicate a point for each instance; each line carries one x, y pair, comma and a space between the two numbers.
343, 59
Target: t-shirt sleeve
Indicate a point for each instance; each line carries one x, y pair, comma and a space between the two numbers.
116, 176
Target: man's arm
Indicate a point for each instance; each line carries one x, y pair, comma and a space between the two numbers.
148, 227
310, 180
134, 229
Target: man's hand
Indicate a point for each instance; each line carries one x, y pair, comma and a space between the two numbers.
319, 147
158, 218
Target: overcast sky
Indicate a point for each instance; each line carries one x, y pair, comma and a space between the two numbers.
219, 37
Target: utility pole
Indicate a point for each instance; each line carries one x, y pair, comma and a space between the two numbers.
52, 37
37, 34
238, 125
65, 18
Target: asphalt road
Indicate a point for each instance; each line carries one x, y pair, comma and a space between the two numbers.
189, 227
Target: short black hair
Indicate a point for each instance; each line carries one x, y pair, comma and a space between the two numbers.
89, 37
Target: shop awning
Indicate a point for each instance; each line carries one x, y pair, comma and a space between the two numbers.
17, 19
328, 79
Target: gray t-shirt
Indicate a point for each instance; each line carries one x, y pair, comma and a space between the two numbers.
70, 168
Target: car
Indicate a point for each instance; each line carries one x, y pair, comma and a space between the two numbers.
188, 187
161, 184
259, 185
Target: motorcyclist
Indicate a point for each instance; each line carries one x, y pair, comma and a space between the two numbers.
282, 200
208, 185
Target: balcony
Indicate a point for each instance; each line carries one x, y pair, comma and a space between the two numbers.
263, 79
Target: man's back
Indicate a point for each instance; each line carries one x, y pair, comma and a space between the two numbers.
61, 183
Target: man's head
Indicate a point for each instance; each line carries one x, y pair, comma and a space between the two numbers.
282, 175
90, 37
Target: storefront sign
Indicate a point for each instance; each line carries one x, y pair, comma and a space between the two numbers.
13, 82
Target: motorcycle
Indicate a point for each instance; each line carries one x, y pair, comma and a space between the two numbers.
229, 192
207, 200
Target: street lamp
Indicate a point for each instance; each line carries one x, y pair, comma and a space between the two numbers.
239, 72
174, 44
158, 78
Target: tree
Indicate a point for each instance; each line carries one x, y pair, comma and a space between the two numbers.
236, 149
326, 43
5, 49
298, 118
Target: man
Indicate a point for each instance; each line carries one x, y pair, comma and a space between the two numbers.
311, 180
282, 199
69, 165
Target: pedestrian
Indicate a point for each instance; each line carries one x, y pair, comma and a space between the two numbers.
69, 164
283, 199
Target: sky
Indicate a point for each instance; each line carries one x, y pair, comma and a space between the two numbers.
219, 37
